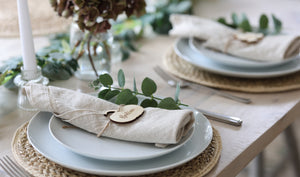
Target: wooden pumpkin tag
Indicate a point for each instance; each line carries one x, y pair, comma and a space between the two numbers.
249, 37
127, 113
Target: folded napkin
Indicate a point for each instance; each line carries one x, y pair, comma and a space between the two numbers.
158, 126
222, 38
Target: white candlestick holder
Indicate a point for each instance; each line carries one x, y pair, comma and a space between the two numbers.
27, 77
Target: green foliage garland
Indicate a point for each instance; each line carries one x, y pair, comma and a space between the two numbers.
242, 23
55, 61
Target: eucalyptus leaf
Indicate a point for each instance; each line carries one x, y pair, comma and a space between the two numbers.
134, 85
68, 69
263, 22
110, 94
245, 24
121, 78
10, 77
125, 97
45, 51
133, 100
161, 23
12, 63
235, 19
66, 46
222, 20
179, 8
102, 93
10, 83
73, 64
168, 103
130, 45
125, 53
277, 24
60, 56
59, 37
55, 71
129, 35
176, 98
2, 77
96, 82
149, 103
148, 86
106, 80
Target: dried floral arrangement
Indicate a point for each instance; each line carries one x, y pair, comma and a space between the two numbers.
94, 15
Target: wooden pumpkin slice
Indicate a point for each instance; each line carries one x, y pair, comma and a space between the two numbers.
127, 113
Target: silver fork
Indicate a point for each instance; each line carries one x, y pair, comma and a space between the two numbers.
172, 81
211, 115
11, 168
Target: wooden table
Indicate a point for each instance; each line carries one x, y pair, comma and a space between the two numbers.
268, 115
264, 119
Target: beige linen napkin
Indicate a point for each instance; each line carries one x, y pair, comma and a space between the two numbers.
158, 126
221, 38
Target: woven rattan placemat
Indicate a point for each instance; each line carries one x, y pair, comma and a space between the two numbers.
39, 166
181, 68
43, 18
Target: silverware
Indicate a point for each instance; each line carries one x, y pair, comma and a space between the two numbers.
11, 168
221, 118
172, 81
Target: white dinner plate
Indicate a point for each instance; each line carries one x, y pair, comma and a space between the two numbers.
234, 61
88, 144
41, 139
183, 49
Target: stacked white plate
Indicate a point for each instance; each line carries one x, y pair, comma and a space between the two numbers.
193, 52
79, 150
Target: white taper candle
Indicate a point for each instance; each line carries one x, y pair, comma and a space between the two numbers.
29, 60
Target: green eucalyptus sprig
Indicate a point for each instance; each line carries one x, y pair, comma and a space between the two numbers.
122, 95
242, 23
55, 61
159, 19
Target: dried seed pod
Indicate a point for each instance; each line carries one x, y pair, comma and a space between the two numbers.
93, 15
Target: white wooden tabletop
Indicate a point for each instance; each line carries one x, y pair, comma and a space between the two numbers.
264, 119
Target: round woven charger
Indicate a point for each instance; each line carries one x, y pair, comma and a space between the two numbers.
44, 20
38, 165
179, 67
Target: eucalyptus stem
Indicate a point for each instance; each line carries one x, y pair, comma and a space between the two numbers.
90, 56
139, 93
126, 96
81, 47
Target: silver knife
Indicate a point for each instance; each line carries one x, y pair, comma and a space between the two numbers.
221, 118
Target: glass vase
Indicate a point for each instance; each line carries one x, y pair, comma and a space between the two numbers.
95, 52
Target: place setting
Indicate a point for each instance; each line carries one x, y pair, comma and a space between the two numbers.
56, 143
212, 54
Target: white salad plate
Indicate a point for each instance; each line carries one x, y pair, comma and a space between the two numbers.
41, 139
234, 61
89, 145
183, 49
